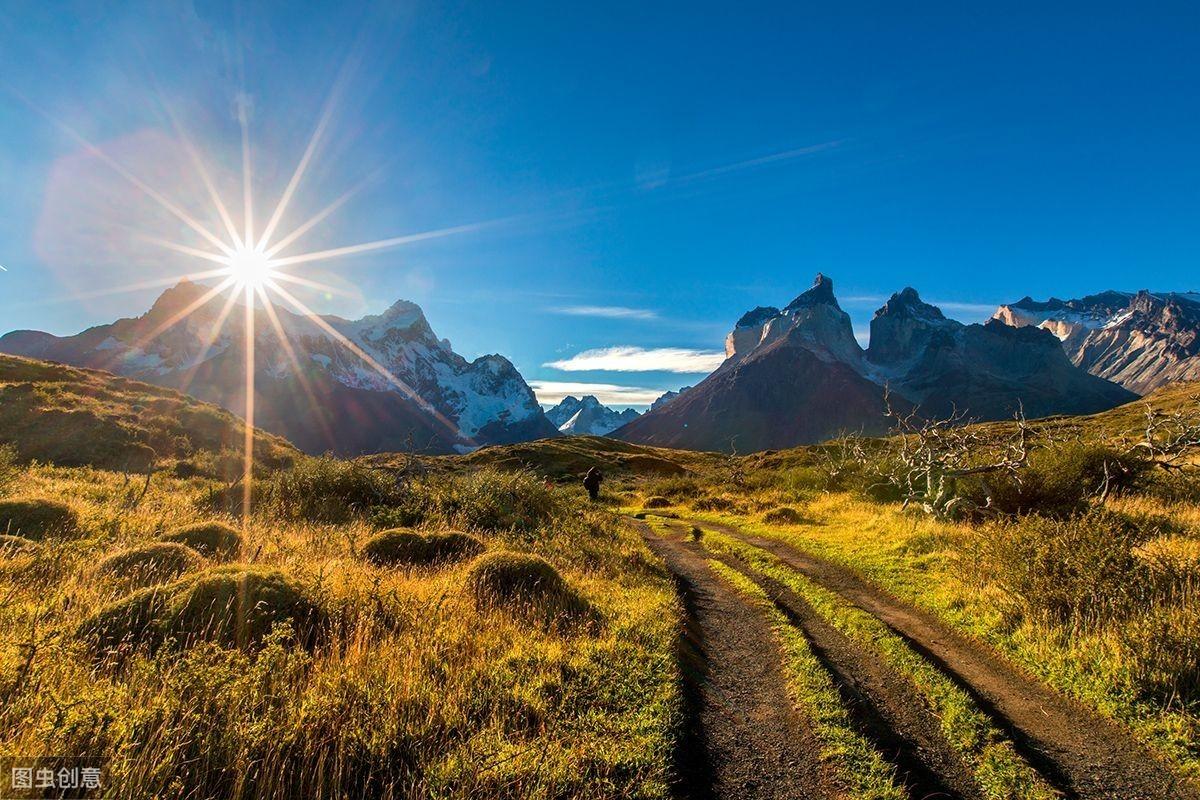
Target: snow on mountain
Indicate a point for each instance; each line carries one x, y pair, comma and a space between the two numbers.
397, 386
587, 417
1140, 341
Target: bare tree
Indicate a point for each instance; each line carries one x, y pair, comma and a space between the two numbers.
841, 456
930, 456
1169, 440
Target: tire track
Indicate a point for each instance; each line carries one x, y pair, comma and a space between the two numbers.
885, 707
1082, 753
753, 743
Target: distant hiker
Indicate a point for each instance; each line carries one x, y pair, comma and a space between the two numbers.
591, 482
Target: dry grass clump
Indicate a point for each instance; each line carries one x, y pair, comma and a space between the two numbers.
16, 545
405, 547
214, 540
720, 503
658, 501
38, 518
783, 515
526, 584
235, 605
149, 564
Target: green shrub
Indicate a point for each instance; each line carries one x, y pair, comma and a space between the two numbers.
149, 564
676, 487
411, 548
1058, 481
37, 518
329, 490
526, 584
214, 540
784, 515
488, 499
1080, 569
658, 501
235, 605
719, 502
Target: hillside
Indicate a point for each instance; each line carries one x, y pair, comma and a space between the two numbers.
81, 417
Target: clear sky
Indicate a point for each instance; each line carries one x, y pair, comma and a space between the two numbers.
646, 171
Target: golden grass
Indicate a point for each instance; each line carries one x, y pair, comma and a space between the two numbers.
415, 693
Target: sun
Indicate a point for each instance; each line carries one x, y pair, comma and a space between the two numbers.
250, 268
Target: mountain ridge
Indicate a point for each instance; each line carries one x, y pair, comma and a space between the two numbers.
310, 387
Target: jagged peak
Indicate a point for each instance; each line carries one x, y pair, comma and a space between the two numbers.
820, 293
757, 316
907, 302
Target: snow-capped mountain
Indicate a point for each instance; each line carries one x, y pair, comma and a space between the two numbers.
1140, 341
667, 397
587, 417
309, 387
797, 375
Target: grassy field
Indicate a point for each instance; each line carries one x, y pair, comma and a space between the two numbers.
534, 656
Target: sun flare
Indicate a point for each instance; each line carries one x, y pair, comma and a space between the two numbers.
250, 268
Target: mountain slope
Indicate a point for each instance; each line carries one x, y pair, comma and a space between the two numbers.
587, 417
790, 377
77, 417
1140, 341
322, 395
797, 376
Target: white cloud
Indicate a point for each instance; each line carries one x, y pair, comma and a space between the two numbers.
552, 392
639, 359
606, 312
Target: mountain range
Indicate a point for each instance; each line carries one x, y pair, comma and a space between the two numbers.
1140, 341
310, 387
797, 375
792, 375
587, 417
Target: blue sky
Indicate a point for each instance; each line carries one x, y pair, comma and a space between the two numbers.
646, 172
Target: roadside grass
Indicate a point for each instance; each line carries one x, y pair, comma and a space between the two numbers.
1104, 664
413, 692
997, 768
853, 763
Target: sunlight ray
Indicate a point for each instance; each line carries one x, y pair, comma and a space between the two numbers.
135, 287
209, 341
247, 178
290, 352
186, 250
322, 214
383, 244
324, 287
301, 167
180, 315
248, 460
358, 351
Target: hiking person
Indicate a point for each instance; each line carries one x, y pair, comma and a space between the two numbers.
591, 482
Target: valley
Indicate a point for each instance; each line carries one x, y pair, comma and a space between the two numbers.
772, 625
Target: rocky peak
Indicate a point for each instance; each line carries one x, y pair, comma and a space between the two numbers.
814, 321
820, 293
905, 327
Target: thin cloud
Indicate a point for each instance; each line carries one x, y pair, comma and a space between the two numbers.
750, 163
640, 359
553, 392
966, 308
606, 312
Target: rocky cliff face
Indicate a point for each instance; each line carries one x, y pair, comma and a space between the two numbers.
1140, 341
310, 387
587, 417
797, 375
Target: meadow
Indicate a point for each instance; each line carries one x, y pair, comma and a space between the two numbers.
401, 626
